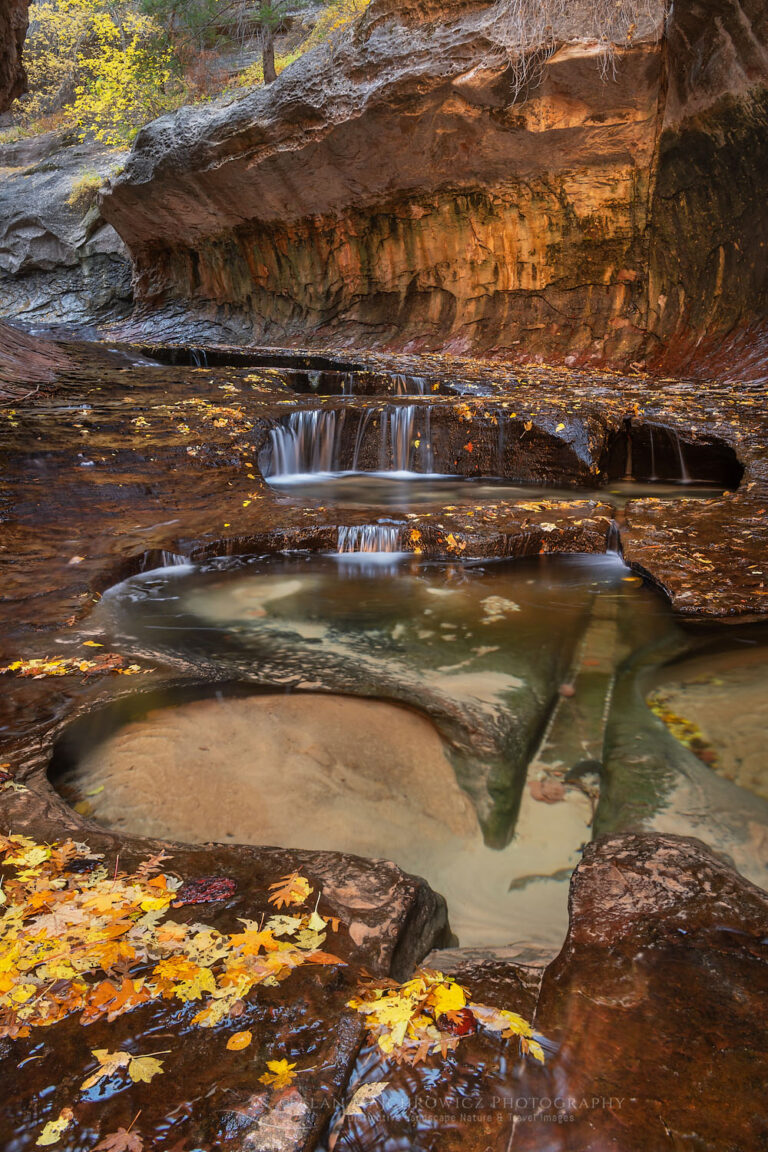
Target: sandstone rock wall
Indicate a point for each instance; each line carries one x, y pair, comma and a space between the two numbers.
13, 29
59, 261
708, 273
396, 191
24, 362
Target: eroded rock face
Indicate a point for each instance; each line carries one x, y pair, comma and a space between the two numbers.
708, 223
397, 191
394, 192
59, 260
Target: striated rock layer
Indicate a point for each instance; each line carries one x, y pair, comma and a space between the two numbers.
400, 191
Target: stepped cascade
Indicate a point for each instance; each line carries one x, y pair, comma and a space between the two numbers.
383, 575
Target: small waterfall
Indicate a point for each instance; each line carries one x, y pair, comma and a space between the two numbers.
368, 538
163, 559
428, 454
409, 385
502, 444
613, 539
307, 443
365, 420
399, 438
653, 453
315, 380
402, 420
684, 477
199, 357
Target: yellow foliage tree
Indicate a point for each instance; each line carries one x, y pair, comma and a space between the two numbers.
108, 63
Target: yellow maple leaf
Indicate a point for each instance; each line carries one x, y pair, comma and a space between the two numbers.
109, 1063
143, 1068
447, 998
280, 1074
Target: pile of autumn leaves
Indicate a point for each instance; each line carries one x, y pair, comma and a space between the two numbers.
76, 937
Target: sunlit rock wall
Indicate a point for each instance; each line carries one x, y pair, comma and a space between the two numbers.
399, 191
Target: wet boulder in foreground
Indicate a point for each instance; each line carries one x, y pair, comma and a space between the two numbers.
652, 1021
657, 1003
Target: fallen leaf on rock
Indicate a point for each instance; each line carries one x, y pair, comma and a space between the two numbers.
109, 1063
547, 791
280, 1074
120, 1141
293, 889
142, 1069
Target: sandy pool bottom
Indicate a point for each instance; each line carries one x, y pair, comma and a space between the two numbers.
726, 699
338, 774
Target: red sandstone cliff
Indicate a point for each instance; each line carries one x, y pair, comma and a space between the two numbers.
396, 191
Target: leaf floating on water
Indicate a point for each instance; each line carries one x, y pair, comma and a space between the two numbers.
290, 890
239, 1040
142, 1069
55, 1129
280, 1074
364, 1095
121, 1141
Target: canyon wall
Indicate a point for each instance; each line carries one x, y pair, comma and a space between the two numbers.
13, 29
25, 363
399, 190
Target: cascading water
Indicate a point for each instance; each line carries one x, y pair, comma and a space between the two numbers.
369, 538
684, 476
306, 444
409, 385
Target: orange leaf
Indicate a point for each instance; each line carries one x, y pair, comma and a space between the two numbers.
239, 1040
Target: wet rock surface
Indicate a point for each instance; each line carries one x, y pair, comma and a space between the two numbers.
652, 1015
127, 466
212, 1097
656, 1002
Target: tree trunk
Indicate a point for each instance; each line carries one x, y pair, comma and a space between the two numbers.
268, 56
